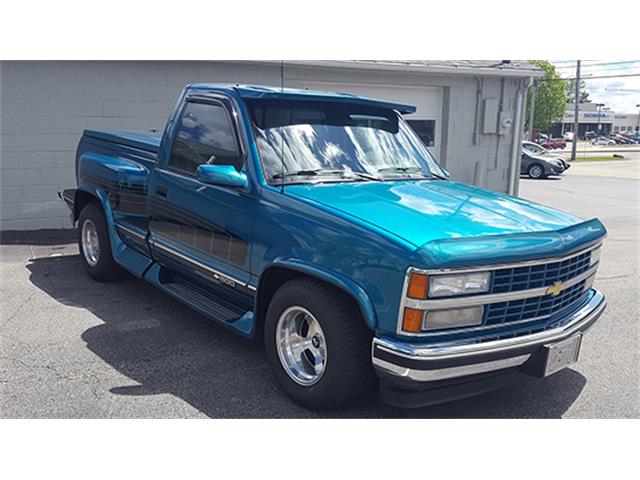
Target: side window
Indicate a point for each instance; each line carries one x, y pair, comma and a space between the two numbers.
205, 135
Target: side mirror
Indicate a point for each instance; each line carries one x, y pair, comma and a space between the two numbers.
222, 175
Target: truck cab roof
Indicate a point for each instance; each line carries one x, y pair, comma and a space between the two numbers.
253, 92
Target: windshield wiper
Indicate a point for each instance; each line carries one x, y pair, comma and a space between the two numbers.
411, 170
366, 176
308, 172
400, 169
440, 177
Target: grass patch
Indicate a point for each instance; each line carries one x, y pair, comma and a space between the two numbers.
599, 158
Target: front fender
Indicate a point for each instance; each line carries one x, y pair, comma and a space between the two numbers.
347, 285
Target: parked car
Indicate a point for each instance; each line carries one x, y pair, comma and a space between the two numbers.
539, 166
320, 223
541, 138
568, 136
539, 150
590, 135
623, 140
554, 143
602, 141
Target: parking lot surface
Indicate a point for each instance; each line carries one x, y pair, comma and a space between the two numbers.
628, 168
71, 347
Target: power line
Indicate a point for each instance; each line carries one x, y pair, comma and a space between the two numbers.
589, 78
600, 69
572, 67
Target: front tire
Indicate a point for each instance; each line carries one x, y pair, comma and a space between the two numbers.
536, 171
318, 345
95, 246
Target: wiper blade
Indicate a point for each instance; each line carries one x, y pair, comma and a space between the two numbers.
412, 170
366, 176
440, 177
400, 169
308, 172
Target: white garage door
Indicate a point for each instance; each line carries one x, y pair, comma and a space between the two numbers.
428, 101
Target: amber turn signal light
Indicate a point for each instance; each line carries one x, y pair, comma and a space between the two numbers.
418, 286
412, 320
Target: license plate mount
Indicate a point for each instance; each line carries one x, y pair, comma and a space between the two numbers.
562, 354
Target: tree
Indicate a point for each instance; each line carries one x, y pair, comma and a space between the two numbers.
551, 98
570, 89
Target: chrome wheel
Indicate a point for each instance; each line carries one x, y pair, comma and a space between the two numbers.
301, 345
90, 243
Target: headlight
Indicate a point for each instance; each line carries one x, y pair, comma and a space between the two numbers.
461, 284
595, 256
461, 317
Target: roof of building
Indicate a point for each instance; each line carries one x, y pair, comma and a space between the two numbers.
519, 68
493, 64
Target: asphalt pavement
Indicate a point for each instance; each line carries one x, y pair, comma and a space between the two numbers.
74, 348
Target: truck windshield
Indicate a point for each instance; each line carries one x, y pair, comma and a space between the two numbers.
311, 141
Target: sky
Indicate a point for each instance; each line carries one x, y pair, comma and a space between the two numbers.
620, 94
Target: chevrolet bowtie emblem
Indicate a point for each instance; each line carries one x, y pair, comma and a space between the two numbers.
555, 289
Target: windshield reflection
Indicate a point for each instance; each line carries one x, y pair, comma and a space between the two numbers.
305, 136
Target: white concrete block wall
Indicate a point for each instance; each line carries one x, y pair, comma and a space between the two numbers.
45, 106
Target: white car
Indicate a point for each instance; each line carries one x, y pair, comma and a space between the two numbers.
568, 136
602, 141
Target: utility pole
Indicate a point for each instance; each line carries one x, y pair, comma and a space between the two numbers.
599, 107
532, 110
574, 144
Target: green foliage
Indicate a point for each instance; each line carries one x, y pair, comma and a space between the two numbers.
551, 98
570, 89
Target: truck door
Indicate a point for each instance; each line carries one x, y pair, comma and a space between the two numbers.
200, 230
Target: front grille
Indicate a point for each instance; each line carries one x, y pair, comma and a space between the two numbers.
537, 276
531, 308
524, 316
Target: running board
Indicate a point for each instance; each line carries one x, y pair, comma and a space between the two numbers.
206, 300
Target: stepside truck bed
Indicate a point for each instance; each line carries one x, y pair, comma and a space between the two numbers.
145, 141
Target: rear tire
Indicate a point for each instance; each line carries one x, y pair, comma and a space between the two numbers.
95, 246
318, 345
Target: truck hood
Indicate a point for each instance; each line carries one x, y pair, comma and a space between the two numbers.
427, 210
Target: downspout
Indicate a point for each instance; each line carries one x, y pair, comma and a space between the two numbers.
499, 117
517, 136
476, 128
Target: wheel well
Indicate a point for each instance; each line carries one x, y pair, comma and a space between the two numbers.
273, 278
82, 199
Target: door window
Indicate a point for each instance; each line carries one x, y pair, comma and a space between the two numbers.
205, 136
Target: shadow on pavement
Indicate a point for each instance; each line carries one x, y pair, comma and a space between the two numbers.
165, 347
52, 236
555, 178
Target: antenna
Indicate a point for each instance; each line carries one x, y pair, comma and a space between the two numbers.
281, 136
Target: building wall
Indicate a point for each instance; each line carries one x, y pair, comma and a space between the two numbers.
610, 121
45, 106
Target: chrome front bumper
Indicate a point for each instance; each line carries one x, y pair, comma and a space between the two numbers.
410, 363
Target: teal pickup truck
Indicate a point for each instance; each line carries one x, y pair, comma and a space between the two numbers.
320, 223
